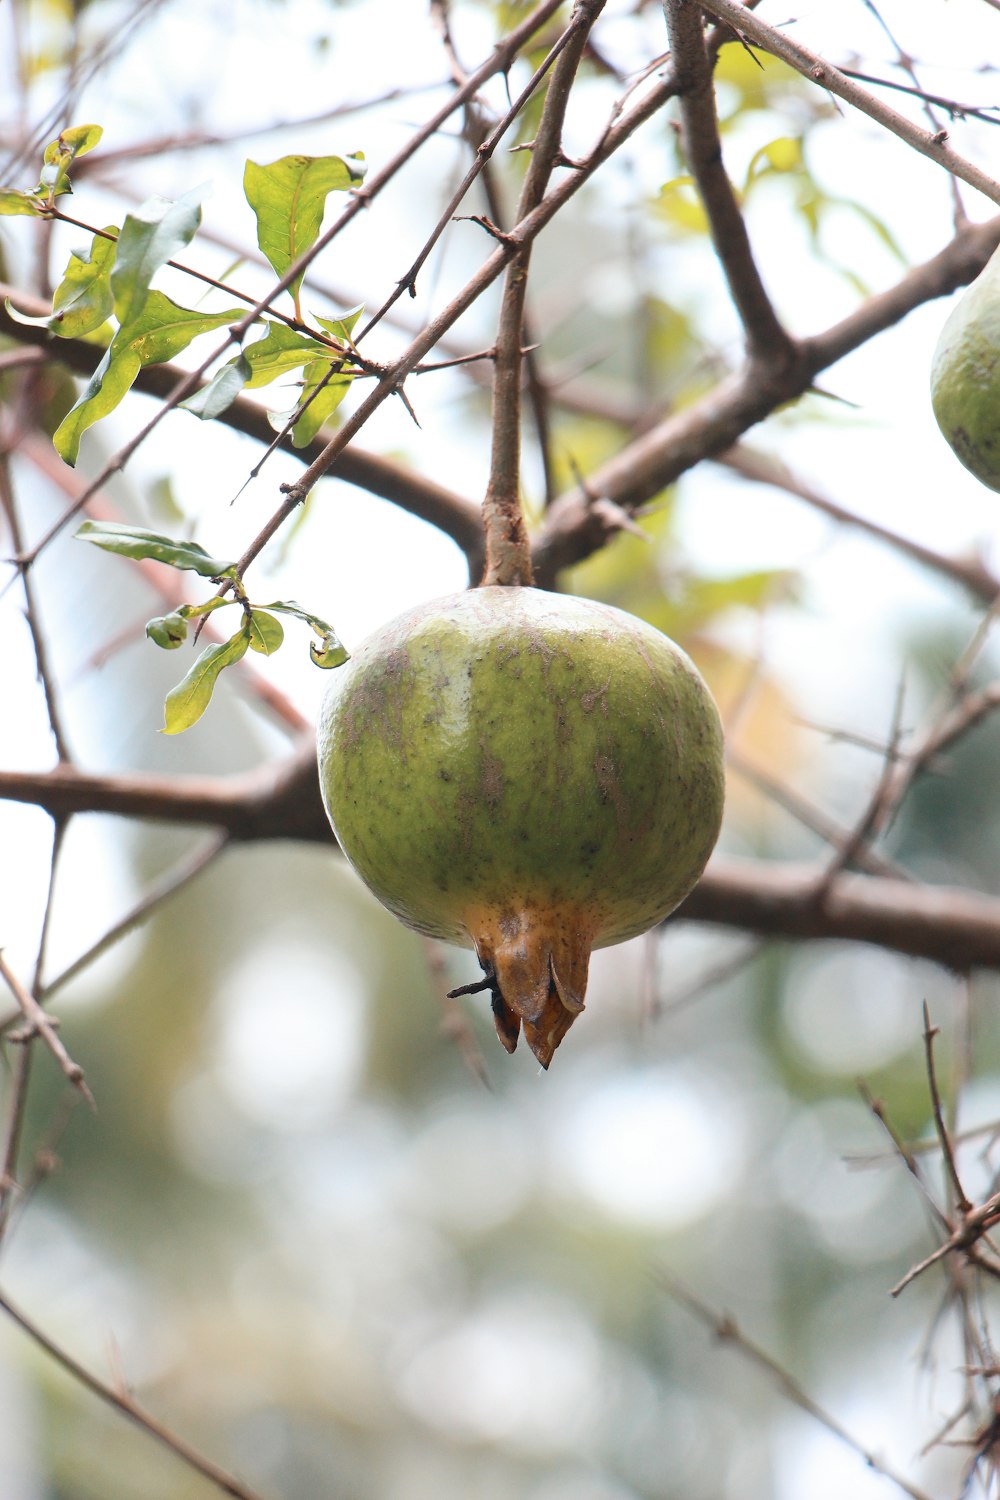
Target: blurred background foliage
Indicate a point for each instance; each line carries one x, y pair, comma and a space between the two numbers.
341, 1253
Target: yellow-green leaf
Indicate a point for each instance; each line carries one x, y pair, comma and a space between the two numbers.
186, 703
289, 196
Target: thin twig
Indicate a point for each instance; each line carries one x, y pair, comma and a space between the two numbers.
476, 132
879, 807
32, 613
764, 468
43, 1025
962, 1201
988, 113
932, 144
154, 896
124, 1403
727, 1331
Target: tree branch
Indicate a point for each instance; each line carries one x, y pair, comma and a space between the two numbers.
931, 144
457, 517
573, 530
508, 552
950, 925
766, 338
123, 1403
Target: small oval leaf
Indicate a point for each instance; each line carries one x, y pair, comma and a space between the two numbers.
266, 633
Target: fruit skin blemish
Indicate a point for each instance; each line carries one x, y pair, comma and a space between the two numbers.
532, 775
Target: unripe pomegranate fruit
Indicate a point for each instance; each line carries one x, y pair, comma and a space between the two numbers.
529, 774
965, 376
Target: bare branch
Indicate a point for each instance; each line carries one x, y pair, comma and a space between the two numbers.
764, 468
952, 926
726, 1330
38, 1023
933, 144
766, 338
124, 1403
710, 426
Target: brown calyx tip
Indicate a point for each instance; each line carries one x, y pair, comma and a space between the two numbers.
536, 965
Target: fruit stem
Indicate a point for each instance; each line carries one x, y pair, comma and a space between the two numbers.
508, 550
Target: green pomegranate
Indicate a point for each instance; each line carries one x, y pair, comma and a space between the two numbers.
528, 774
965, 376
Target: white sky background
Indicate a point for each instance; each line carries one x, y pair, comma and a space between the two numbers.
900, 470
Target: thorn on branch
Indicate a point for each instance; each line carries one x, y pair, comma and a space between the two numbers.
39, 1024
492, 229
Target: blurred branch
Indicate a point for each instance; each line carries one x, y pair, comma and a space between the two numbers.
933, 144
765, 337
37, 1023
970, 1223
155, 894
124, 1403
813, 818
954, 926
725, 1328
710, 426
763, 468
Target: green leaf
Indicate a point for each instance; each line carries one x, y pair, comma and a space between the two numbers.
281, 350
135, 541
288, 198
221, 391
290, 607
110, 382
83, 300
26, 319
266, 633
14, 202
167, 631
164, 328
150, 237
344, 326
186, 703
161, 331
324, 402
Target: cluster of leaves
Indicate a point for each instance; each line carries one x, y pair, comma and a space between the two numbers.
259, 631
106, 296
109, 283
